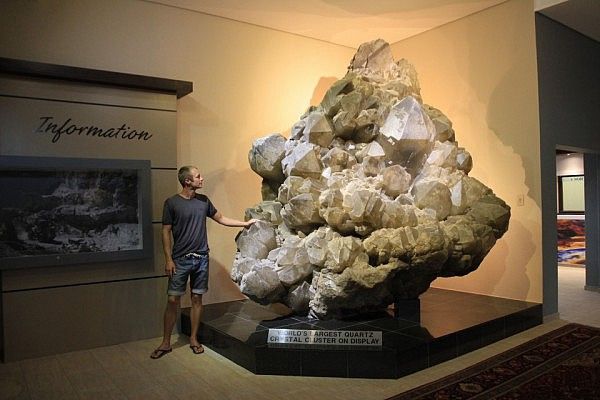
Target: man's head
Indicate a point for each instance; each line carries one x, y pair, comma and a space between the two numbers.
189, 177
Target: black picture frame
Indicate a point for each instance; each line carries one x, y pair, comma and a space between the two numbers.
59, 211
567, 190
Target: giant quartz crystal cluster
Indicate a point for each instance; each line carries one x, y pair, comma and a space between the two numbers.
367, 202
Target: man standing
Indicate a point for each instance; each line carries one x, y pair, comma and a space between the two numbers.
185, 246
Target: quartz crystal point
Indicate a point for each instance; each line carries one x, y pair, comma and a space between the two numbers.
257, 241
407, 135
303, 160
368, 201
266, 155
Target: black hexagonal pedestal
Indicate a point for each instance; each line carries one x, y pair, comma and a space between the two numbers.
449, 324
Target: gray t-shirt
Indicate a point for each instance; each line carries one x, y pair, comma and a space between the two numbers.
188, 221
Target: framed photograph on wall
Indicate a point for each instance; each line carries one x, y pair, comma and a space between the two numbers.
571, 194
57, 211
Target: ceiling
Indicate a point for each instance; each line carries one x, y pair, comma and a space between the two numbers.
344, 22
352, 22
580, 15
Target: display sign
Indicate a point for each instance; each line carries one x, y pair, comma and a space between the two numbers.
310, 338
571, 194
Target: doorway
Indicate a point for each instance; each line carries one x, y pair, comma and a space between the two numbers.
578, 295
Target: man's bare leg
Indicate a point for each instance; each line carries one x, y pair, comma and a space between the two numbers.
195, 316
169, 320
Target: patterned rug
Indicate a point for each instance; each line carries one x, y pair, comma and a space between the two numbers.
563, 364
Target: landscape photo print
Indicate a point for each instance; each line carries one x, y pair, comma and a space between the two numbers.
62, 208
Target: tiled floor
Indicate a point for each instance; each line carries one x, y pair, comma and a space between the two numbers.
126, 372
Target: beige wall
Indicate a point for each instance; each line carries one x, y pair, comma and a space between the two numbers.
481, 72
248, 82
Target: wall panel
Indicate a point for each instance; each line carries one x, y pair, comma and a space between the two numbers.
98, 303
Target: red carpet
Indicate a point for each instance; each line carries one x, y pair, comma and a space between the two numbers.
563, 364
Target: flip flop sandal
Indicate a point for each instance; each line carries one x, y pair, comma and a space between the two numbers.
158, 353
197, 349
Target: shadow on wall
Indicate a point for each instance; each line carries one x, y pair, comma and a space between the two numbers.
500, 117
505, 106
515, 258
504, 80
512, 117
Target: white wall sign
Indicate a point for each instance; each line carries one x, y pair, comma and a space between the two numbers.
308, 338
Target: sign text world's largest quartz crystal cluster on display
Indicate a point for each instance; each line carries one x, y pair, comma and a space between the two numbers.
313, 338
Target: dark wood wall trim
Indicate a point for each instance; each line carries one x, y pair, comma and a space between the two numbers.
96, 76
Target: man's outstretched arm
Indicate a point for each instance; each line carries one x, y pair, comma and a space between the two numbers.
223, 220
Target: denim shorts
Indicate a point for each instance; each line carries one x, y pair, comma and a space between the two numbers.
193, 266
